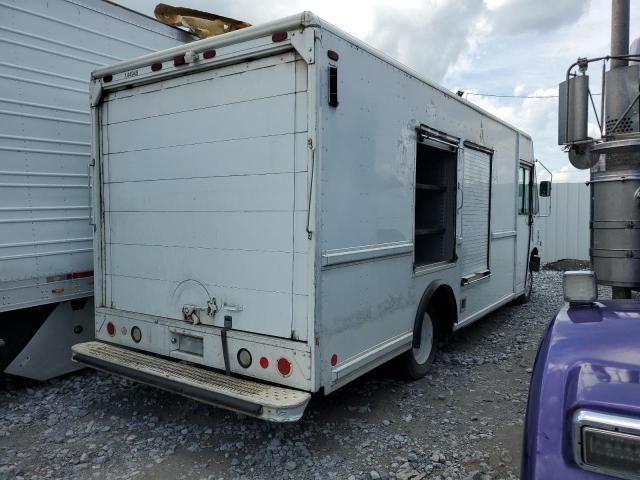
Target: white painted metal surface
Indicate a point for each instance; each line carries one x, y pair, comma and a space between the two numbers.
564, 233
216, 204
48, 353
48, 50
238, 182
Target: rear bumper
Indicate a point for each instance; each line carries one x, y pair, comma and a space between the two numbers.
268, 402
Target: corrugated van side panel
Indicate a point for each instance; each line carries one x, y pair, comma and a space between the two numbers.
48, 50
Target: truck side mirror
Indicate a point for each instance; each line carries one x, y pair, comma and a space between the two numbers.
545, 188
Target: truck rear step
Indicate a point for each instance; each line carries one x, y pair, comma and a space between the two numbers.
268, 402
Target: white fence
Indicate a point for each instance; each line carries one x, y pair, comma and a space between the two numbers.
565, 232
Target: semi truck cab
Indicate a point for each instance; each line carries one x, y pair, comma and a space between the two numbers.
583, 412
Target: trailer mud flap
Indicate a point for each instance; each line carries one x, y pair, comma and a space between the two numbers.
268, 402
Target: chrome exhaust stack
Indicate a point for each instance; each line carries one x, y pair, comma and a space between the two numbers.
614, 158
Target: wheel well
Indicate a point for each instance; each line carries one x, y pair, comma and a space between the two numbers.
438, 299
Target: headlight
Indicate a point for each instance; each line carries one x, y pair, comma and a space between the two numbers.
579, 287
607, 444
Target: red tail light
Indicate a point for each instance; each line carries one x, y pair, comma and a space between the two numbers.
264, 362
156, 66
111, 329
279, 37
207, 54
179, 60
334, 360
284, 367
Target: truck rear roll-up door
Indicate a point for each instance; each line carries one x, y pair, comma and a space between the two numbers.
200, 193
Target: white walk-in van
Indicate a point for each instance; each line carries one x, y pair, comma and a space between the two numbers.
47, 51
282, 208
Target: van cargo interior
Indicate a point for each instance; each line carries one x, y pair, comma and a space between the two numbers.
435, 203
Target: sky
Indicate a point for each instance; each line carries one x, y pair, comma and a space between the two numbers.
497, 47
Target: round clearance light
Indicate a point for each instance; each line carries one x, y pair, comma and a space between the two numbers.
333, 55
111, 329
334, 360
264, 362
155, 67
136, 334
244, 358
284, 367
207, 54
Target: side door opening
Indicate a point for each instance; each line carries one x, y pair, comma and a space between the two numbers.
435, 198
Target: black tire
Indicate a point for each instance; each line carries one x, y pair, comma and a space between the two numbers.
528, 289
415, 363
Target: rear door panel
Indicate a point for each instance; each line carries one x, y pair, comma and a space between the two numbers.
201, 199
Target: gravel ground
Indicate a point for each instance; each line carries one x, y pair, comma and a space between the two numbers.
463, 421
568, 264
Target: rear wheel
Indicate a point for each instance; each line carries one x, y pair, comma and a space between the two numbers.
528, 289
417, 361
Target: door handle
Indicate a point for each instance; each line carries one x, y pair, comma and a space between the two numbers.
232, 308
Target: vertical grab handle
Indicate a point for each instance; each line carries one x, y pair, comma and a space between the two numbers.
89, 191
461, 196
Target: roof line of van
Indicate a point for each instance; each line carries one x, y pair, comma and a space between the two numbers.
301, 20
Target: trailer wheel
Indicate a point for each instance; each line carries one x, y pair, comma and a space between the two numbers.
417, 361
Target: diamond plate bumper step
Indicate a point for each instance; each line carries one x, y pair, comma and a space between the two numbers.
261, 400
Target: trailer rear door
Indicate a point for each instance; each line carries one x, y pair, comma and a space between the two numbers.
200, 194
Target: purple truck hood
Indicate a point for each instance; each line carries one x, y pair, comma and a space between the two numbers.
588, 358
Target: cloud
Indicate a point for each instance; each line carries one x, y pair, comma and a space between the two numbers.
539, 118
428, 36
523, 16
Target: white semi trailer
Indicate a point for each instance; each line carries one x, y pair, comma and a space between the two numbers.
48, 50
280, 209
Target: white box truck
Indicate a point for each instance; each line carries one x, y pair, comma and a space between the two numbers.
280, 209
48, 51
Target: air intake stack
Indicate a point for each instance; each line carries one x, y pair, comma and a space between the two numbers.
614, 159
